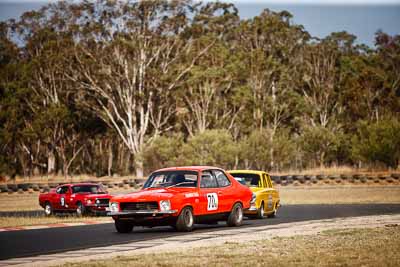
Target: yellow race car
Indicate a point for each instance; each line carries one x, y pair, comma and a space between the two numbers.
267, 197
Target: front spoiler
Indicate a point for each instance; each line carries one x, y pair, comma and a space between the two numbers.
142, 212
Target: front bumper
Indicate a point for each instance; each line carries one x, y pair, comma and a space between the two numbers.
142, 212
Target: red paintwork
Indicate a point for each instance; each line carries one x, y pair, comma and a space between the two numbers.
194, 197
71, 200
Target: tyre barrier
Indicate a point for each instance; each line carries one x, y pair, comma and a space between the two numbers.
12, 187
395, 176
45, 189
313, 179
35, 187
301, 179
283, 180
24, 187
53, 185
3, 188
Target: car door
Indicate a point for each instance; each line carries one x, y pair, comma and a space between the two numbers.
269, 202
263, 193
225, 194
61, 198
209, 200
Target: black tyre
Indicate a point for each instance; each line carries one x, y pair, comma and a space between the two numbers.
48, 209
185, 220
80, 209
273, 214
123, 226
236, 216
261, 212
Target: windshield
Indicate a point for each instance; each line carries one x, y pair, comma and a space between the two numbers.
172, 179
93, 189
247, 179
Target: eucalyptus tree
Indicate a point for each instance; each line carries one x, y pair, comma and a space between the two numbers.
128, 71
273, 46
209, 89
47, 45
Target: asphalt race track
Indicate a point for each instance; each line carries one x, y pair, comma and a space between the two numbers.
14, 244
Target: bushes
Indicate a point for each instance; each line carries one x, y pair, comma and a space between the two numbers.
378, 142
212, 147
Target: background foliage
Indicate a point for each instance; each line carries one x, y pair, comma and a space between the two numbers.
116, 87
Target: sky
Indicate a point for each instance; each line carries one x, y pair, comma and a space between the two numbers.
362, 18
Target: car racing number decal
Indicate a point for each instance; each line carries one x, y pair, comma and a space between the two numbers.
212, 200
62, 201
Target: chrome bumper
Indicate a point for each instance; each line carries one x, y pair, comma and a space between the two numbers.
142, 212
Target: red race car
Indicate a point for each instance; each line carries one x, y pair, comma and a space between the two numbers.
81, 198
180, 197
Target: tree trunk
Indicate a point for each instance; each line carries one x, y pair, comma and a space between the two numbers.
51, 162
110, 159
139, 167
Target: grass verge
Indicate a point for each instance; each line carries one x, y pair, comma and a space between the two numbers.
352, 247
340, 195
31, 221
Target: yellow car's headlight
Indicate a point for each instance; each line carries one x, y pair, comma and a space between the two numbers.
253, 198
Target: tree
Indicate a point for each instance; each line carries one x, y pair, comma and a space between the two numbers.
272, 45
212, 147
128, 81
378, 142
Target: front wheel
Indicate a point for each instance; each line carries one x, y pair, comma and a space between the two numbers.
48, 209
185, 220
80, 209
236, 216
123, 226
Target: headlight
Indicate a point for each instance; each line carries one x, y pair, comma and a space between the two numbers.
253, 198
114, 207
165, 205
88, 201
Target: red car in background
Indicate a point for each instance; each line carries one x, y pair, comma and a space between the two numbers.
180, 197
81, 198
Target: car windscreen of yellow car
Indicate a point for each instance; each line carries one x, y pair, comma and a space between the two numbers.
248, 179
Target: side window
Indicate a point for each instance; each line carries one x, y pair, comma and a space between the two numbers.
268, 181
62, 190
263, 182
222, 180
208, 180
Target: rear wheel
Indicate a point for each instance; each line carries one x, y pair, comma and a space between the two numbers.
123, 226
185, 220
236, 216
48, 209
273, 214
80, 209
261, 212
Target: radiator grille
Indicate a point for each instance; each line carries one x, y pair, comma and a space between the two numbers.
127, 206
102, 201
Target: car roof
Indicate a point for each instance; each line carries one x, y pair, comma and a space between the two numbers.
188, 168
78, 184
247, 171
